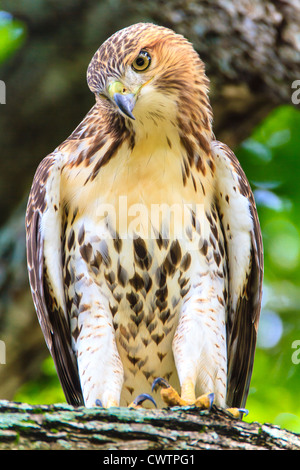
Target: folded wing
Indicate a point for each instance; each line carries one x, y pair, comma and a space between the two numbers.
237, 210
44, 258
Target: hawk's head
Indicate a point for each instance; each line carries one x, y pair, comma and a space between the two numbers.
146, 71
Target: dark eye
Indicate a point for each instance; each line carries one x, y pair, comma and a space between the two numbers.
142, 61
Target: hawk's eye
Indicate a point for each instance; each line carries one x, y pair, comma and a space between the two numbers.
142, 61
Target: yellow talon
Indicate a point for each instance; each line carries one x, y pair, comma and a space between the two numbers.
172, 398
204, 402
237, 412
168, 393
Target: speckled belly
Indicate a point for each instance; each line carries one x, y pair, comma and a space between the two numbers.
141, 283
144, 283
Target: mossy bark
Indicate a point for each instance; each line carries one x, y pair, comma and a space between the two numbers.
63, 427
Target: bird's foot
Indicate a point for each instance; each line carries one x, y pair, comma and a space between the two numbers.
172, 398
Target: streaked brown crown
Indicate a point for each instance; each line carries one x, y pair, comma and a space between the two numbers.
172, 51
176, 67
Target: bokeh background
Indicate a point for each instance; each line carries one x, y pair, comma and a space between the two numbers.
252, 56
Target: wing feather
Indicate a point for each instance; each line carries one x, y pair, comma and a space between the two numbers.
48, 295
244, 248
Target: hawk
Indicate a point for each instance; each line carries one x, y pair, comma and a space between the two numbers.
144, 247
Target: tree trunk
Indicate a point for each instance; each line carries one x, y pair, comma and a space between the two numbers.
61, 427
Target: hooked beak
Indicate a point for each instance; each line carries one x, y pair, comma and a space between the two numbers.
123, 99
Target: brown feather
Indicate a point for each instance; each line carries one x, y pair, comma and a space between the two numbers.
51, 317
243, 322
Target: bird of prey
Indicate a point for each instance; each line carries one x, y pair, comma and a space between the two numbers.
144, 247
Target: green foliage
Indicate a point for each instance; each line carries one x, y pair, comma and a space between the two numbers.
12, 35
270, 158
45, 389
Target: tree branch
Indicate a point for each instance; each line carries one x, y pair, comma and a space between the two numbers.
24, 426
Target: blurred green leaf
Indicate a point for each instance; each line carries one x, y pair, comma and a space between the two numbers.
257, 150
46, 389
12, 35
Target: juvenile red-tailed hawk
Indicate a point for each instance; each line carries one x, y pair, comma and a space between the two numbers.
144, 247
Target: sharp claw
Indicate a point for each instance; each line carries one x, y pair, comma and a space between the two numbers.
236, 412
140, 399
211, 397
159, 381
98, 403
205, 402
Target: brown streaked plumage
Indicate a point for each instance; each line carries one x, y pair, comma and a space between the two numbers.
174, 292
